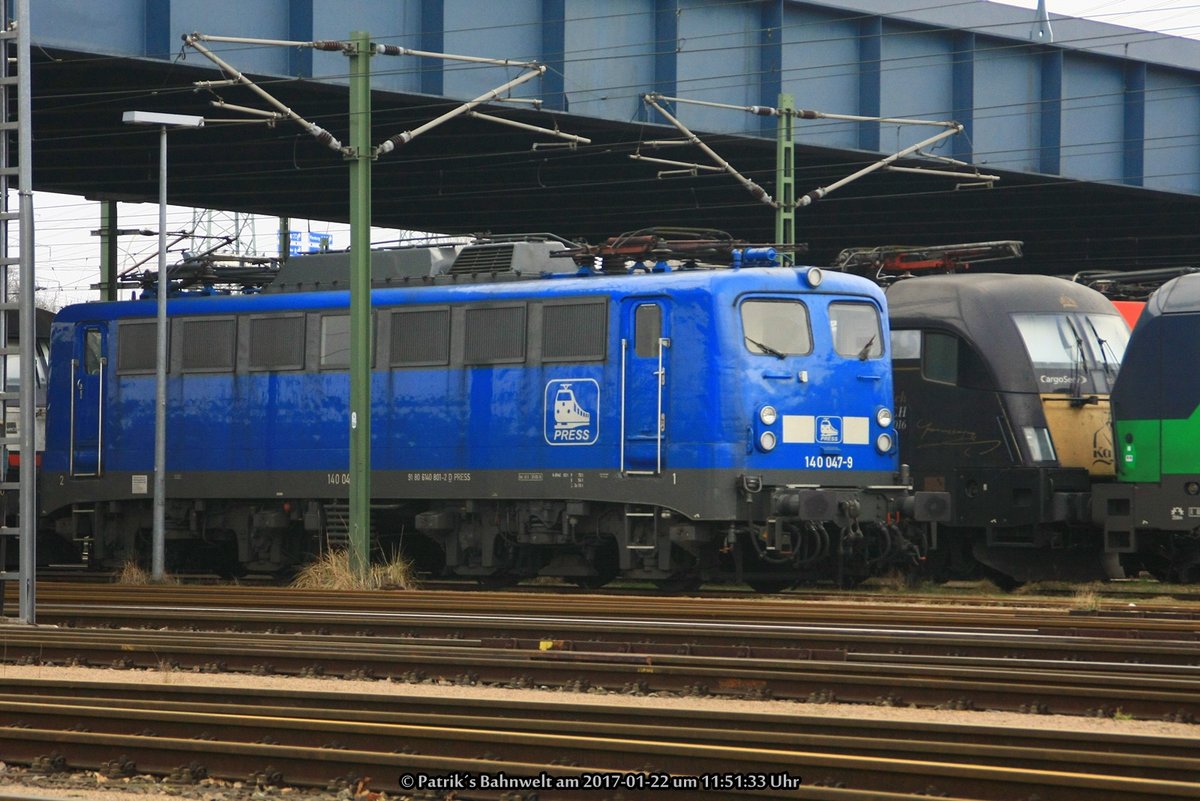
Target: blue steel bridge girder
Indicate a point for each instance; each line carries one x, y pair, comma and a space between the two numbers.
433, 40
770, 62
157, 38
870, 80
554, 44
1133, 156
963, 92
666, 53
836, 55
1050, 149
1111, 108
300, 29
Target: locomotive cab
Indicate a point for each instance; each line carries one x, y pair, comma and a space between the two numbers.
1002, 385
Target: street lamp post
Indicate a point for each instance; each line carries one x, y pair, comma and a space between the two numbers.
163, 121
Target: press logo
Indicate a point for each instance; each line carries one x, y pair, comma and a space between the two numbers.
572, 415
829, 430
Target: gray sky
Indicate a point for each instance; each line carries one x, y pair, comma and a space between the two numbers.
68, 256
1176, 17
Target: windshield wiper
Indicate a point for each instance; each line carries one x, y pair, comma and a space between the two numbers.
1078, 365
1103, 344
765, 348
866, 351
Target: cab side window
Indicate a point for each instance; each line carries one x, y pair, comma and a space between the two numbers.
939, 359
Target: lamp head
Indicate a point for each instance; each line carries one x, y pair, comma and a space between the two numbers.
157, 118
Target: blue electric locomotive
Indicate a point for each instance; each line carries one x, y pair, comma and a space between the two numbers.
530, 417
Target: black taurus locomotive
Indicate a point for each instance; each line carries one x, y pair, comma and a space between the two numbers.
1002, 401
655, 418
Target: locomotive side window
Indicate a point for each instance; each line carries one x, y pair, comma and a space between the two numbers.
776, 327
906, 345
91, 358
136, 346
647, 325
939, 361
495, 335
277, 343
856, 330
206, 345
335, 340
575, 332
420, 337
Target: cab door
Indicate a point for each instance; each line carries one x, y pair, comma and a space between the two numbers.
88, 366
645, 345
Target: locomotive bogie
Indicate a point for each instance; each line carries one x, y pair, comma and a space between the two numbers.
200, 535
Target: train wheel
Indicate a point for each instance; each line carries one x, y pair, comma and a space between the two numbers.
604, 560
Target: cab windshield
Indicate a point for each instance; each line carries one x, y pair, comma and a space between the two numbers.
778, 328
1073, 352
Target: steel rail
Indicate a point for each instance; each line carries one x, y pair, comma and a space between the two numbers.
648, 636
745, 609
1163, 757
298, 749
1146, 691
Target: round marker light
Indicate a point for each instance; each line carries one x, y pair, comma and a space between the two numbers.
768, 415
766, 441
884, 442
884, 417
814, 276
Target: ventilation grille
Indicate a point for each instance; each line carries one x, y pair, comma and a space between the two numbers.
277, 343
484, 259
208, 344
136, 346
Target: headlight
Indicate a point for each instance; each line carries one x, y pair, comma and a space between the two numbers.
884, 417
768, 415
766, 441
884, 442
814, 276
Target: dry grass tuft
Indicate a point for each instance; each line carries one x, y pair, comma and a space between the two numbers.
1087, 598
332, 572
132, 574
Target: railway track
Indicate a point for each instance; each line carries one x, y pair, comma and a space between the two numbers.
950, 613
1121, 640
1141, 663
1143, 690
1110, 594
332, 738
